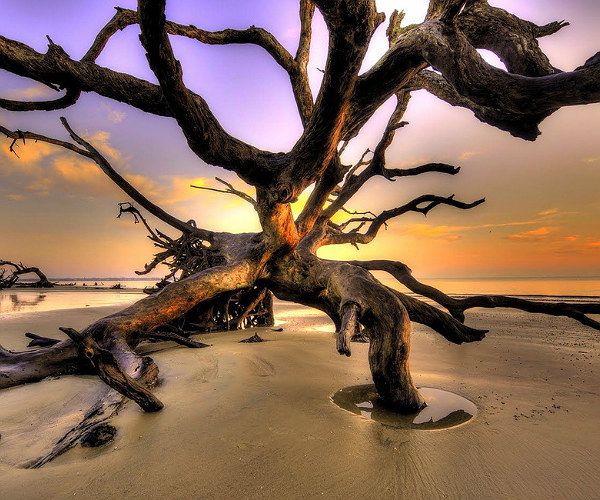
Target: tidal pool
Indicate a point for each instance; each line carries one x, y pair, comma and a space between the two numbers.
444, 409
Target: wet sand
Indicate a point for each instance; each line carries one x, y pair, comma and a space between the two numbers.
257, 421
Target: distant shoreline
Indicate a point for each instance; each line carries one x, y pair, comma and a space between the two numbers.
125, 289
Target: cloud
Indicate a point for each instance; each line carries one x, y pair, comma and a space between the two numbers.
27, 156
100, 140
76, 170
533, 235
447, 233
114, 115
15, 197
549, 212
40, 186
592, 159
33, 92
594, 244
467, 155
145, 185
572, 237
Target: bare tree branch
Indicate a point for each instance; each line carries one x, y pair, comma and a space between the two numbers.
429, 201
229, 190
513, 39
88, 151
521, 102
18, 269
458, 306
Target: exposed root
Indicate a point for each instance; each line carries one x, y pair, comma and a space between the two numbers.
173, 337
458, 306
108, 404
349, 313
252, 340
39, 341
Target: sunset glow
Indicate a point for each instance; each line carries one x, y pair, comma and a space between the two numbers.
541, 217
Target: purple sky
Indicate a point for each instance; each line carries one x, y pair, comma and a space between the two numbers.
542, 214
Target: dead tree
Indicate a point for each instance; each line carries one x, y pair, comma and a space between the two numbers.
11, 272
282, 257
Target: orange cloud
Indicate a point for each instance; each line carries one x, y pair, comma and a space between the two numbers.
27, 156
100, 140
76, 170
534, 234
41, 186
467, 155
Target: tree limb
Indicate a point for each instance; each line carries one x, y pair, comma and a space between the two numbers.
458, 306
88, 151
431, 201
229, 190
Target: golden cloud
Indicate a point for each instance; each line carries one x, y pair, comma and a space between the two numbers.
27, 155
100, 140
533, 235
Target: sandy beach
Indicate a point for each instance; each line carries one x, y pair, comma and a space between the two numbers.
257, 420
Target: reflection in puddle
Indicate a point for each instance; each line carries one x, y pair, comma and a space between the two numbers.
17, 302
444, 409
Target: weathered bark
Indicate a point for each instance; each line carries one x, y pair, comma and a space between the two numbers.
350, 295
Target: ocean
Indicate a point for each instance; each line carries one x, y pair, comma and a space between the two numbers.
95, 292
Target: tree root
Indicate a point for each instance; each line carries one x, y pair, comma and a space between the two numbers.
457, 306
349, 313
39, 341
252, 340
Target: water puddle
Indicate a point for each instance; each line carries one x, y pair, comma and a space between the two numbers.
443, 411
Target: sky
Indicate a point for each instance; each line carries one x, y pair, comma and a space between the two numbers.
58, 211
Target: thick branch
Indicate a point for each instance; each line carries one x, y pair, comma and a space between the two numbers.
457, 307
351, 25
300, 82
513, 39
201, 128
349, 313
519, 102
65, 101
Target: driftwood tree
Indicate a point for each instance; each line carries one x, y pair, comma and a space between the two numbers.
11, 272
438, 55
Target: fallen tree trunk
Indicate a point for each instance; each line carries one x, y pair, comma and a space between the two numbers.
16, 271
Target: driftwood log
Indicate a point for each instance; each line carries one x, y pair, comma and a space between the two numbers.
283, 257
11, 272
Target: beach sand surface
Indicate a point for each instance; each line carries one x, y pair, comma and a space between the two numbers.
257, 420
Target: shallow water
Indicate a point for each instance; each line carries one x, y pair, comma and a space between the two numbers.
444, 409
21, 301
